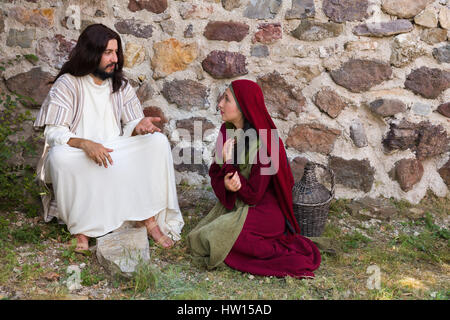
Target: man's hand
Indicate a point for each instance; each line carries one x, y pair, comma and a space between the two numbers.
146, 126
93, 150
232, 182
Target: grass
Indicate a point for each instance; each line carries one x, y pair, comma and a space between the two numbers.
411, 254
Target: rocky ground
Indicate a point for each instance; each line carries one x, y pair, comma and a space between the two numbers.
406, 244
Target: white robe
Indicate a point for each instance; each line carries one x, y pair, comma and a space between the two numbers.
94, 200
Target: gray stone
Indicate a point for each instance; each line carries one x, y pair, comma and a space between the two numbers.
359, 75
196, 126
122, 251
354, 174
442, 54
55, 50
309, 30
262, 9
134, 27
346, 10
186, 94
301, 9
387, 107
358, 134
383, 29
19, 38
168, 26
259, 51
189, 31
421, 109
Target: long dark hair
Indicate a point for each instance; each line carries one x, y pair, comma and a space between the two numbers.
86, 55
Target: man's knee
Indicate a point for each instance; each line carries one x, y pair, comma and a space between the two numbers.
158, 139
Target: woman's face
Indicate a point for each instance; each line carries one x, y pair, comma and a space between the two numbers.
229, 109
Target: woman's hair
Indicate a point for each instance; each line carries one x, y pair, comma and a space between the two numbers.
87, 54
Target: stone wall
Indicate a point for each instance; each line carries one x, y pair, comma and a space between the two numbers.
361, 86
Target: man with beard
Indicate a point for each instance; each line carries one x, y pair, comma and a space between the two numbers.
105, 161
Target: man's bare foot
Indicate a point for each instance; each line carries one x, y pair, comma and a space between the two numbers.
82, 243
154, 231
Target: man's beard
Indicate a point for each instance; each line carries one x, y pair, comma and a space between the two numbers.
102, 74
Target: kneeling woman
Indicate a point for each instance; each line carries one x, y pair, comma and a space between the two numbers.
252, 227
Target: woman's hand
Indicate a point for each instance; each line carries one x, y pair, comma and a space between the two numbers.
97, 152
227, 152
146, 126
232, 181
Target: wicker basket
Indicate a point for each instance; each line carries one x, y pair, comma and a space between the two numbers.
311, 201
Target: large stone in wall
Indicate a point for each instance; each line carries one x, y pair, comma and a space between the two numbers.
427, 18
444, 172
405, 49
301, 9
186, 94
328, 101
407, 172
20, 38
307, 71
359, 75
313, 137
444, 109
189, 159
354, 174
404, 8
442, 54
423, 138
134, 55
280, 97
226, 31
224, 64
433, 35
444, 18
428, 82
298, 167
262, 9
155, 6
195, 11
346, 10
41, 18
32, 84
195, 126
309, 30
387, 107
153, 111
55, 50
259, 51
231, 4
134, 27
268, 33
171, 56
383, 29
